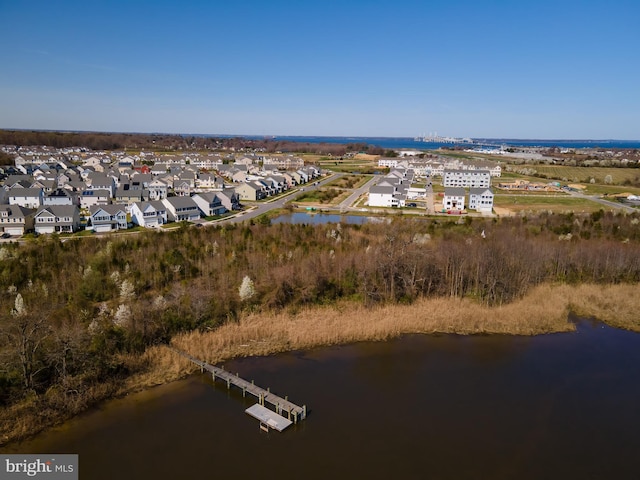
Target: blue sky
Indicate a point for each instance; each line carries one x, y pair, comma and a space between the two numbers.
511, 69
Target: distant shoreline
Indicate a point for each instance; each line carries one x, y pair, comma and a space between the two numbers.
377, 141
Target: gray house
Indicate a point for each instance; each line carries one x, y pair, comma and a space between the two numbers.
107, 218
209, 203
181, 209
57, 219
16, 220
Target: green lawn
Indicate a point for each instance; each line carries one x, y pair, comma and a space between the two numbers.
555, 203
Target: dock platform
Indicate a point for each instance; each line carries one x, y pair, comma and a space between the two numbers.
268, 418
288, 411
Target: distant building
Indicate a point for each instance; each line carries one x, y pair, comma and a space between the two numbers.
466, 178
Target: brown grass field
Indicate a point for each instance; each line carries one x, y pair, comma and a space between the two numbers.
584, 174
544, 310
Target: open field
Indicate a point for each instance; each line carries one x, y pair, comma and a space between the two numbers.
585, 174
349, 181
611, 190
555, 203
323, 196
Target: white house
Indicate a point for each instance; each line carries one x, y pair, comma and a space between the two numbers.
149, 214
388, 162
158, 190
60, 196
26, 197
481, 200
453, 198
383, 196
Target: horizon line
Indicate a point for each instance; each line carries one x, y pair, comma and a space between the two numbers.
273, 136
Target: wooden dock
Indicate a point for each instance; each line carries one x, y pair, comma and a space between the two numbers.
282, 406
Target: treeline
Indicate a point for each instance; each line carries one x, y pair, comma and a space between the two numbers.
167, 142
70, 310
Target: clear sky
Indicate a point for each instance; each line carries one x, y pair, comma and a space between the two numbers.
545, 69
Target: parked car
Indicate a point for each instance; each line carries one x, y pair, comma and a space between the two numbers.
5, 235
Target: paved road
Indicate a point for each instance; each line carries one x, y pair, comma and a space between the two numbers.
357, 193
602, 201
258, 209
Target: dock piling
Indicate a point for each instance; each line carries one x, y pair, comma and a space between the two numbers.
281, 405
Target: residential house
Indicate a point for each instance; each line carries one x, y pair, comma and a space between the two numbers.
57, 219
388, 162
481, 200
60, 196
149, 214
107, 218
89, 198
181, 209
158, 189
26, 197
229, 199
453, 198
251, 191
209, 181
467, 178
209, 203
159, 169
16, 220
100, 181
182, 188
47, 186
239, 175
127, 196
141, 181
385, 196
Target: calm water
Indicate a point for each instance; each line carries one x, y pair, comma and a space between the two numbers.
563, 406
408, 142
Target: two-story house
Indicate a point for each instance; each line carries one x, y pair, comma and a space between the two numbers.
181, 209
209, 203
16, 220
57, 219
107, 218
149, 214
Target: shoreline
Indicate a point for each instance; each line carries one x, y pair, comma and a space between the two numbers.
545, 309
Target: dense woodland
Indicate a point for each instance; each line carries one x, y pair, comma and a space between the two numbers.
68, 309
170, 142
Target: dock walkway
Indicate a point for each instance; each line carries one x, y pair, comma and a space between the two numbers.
281, 405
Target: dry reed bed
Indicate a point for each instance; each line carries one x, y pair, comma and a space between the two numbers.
544, 310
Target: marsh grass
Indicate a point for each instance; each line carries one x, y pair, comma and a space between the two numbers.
544, 310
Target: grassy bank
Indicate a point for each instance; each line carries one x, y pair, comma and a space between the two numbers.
544, 310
